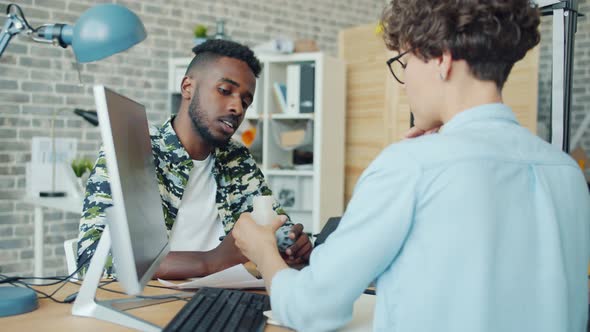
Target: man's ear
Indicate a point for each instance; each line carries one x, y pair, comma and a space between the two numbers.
187, 86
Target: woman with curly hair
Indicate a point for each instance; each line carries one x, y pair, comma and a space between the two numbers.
479, 227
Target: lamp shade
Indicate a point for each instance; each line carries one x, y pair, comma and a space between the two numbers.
104, 30
89, 116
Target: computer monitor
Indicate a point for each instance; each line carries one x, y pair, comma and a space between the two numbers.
138, 233
135, 231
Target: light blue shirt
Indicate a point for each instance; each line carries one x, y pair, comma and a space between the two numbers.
482, 227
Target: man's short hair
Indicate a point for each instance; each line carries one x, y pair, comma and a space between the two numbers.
490, 35
216, 48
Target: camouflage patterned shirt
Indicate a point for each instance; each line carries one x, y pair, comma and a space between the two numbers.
237, 176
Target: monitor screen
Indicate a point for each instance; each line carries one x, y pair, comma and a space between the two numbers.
136, 220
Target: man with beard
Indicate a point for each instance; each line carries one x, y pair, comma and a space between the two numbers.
206, 180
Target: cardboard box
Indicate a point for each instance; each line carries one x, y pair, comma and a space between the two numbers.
292, 137
305, 45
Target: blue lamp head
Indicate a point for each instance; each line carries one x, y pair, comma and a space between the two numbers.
102, 31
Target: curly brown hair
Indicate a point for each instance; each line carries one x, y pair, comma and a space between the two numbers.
491, 35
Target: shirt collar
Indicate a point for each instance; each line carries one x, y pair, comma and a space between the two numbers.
171, 144
487, 112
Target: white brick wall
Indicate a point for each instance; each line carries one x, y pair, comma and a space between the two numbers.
36, 80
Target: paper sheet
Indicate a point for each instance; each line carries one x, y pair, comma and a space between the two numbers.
235, 277
362, 315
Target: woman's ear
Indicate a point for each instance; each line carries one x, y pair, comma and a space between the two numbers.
445, 62
186, 87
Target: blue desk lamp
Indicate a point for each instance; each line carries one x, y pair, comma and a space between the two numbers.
101, 31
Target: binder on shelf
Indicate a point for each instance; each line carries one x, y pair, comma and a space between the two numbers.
307, 88
280, 93
293, 86
301, 88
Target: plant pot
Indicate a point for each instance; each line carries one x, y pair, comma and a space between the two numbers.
199, 40
81, 182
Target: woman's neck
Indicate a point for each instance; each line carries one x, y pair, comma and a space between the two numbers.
467, 94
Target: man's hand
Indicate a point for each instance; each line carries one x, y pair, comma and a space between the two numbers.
190, 264
301, 249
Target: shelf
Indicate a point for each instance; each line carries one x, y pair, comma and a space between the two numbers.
300, 116
313, 192
289, 172
295, 57
253, 116
290, 210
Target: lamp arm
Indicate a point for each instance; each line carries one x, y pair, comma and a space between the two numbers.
53, 192
60, 34
53, 156
13, 26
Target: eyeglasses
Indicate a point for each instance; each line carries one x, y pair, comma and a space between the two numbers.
397, 67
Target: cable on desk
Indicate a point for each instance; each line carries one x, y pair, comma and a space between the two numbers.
44, 295
147, 297
18, 282
7, 279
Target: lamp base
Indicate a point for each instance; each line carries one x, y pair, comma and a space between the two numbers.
17, 300
52, 194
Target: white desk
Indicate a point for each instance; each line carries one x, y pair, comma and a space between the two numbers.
68, 204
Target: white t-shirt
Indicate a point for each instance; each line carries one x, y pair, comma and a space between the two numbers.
198, 226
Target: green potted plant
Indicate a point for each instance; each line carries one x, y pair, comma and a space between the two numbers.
82, 168
200, 34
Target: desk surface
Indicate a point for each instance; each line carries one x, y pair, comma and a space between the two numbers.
53, 316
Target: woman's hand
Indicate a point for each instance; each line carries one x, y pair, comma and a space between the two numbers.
256, 241
417, 132
259, 244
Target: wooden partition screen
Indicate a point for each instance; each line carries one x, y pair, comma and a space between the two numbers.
377, 110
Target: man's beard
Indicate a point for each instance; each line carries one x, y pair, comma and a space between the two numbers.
195, 112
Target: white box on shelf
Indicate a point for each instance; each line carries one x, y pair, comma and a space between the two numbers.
45, 160
39, 177
285, 190
306, 193
43, 152
305, 218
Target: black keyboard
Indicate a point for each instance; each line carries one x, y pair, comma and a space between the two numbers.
217, 309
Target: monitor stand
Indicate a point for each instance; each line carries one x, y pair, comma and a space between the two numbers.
113, 310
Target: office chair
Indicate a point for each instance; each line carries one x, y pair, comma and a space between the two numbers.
71, 252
